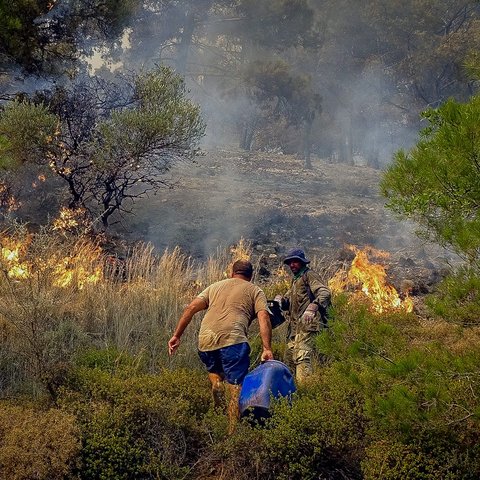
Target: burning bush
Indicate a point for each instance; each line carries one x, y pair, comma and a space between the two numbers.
78, 133
368, 281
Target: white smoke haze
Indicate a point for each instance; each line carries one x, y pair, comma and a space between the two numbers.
202, 221
363, 116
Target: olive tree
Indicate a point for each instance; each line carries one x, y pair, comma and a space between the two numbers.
437, 183
111, 142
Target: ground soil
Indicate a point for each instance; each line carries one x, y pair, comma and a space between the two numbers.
272, 201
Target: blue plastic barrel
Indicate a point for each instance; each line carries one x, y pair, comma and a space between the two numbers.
271, 379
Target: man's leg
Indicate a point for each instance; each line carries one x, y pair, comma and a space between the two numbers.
235, 362
233, 409
302, 355
213, 363
218, 391
288, 355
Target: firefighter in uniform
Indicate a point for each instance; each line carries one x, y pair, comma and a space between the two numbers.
306, 304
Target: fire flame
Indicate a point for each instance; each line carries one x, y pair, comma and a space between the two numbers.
370, 280
239, 251
82, 266
41, 178
68, 219
11, 252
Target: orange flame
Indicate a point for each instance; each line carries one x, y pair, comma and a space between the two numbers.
370, 280
239, 251
68, 219
81, 267
11, 253
41, 178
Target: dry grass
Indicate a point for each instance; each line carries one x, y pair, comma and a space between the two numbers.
36, 444
74, 296
455, 338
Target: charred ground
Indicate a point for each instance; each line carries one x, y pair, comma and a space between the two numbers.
270, 200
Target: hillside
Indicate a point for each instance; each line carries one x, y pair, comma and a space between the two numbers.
270, 200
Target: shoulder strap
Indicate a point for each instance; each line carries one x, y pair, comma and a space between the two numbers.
311, 296
322, 309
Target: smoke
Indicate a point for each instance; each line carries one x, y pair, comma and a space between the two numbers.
363, 121
216, 202
204, 212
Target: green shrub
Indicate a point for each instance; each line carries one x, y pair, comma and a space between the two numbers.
391, 460
111, 360
411, 384
136, 425
318, 435
457, 298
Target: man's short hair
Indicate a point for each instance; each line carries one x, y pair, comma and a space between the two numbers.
243, 267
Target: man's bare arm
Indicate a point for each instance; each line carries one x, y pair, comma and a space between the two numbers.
195, 306
265, 334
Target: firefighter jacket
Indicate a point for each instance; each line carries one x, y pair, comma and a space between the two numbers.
298, 298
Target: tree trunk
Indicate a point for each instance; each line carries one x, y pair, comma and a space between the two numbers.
346, 146
248, 133
185, 42
307, 144
373, 160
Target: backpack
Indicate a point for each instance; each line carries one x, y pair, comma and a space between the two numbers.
275, 313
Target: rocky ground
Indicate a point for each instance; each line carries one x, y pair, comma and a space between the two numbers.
270, 200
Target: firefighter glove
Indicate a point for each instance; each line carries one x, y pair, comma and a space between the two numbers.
282, 301
309, 314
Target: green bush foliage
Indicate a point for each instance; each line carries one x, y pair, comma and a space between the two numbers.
457, 298
436, 183
316, 436
135, 425
422, 395
391, 460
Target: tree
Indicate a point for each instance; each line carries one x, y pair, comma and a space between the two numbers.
437, 182
45, 36
213, 43
381, 63
281, 93
426, 42
110, 142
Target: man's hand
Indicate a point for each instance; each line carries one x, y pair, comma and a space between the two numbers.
196, 305
278, 299
267, 355
173, 344
309, 314
282, 301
